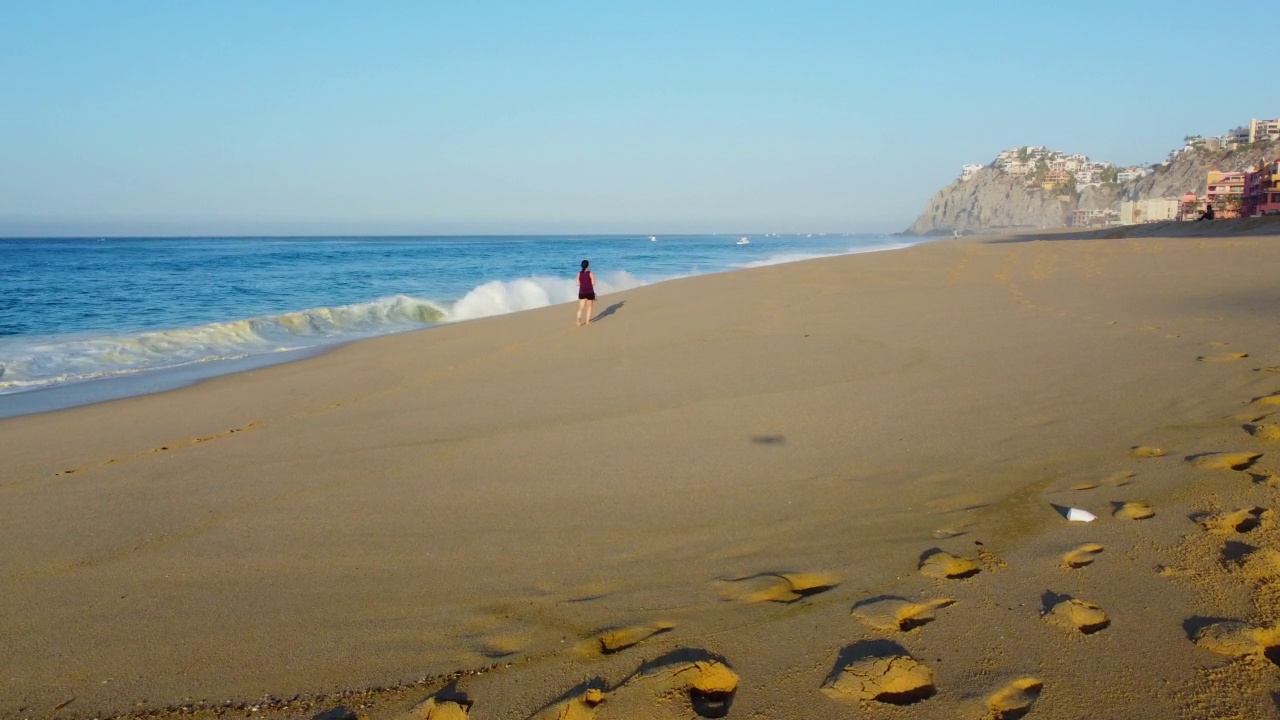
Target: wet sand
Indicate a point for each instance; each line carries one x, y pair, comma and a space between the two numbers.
815, 490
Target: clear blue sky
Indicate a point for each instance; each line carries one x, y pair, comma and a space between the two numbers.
230, 117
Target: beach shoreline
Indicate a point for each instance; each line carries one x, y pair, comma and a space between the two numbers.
727, 467
75, 366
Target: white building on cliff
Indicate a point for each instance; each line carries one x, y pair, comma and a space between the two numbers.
1262, 130
1130, 174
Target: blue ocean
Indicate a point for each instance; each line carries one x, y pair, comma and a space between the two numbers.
152, 313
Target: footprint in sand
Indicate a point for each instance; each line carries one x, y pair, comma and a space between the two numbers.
936, 563
1224, 460
1234, 554
1115, 479
504, 629
1081, 555
946, 533
619, 639
681, 684
1259, 564
1267, 400
1133, 510
778, 587
1236, 521
447, 704
1237, 639
1223, 358
990, 561
1267, 478
586, 592
1120, 478
1014, 700
879, 670
1069, 613
500, 646
574, 705
891, 614
1147, 451
1263, 431
1269, 369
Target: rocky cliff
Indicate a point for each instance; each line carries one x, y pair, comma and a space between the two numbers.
1189, 170
992, 200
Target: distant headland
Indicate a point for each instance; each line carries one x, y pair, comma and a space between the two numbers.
1238, 173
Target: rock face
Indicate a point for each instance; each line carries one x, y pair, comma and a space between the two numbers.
1189, 170
993, 201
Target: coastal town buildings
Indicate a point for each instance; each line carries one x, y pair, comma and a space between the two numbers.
1088, 175
1256, 131
1262, 191
1093, 218
1225, 192
1019, 155
1134, 212
1056, 178
1231, 194
1130, 174
1263, 130
1190, 207
1044, 167
1253, 192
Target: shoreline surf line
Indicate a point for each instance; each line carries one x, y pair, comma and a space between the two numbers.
493, 298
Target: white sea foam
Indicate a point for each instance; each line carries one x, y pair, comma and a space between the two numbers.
505, 296
41, 361
797, 257
33, 362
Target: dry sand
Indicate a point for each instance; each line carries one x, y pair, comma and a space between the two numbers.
820, 490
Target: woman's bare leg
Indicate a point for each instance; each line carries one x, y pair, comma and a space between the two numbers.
577, 318
591, 304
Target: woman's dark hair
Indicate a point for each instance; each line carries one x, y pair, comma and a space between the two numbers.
585, 263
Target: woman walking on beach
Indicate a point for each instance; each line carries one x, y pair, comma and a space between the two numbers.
586, 294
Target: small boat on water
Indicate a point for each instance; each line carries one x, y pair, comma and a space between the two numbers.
743, 241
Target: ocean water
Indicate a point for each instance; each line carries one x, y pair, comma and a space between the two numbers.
163, 312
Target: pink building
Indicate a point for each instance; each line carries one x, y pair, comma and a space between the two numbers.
1189, 207
1262, 191
1226, 193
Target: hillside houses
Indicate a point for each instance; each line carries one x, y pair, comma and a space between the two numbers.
1253, 191
1034, 162
1256, 131
1131, 174
1046, 168
1261, 192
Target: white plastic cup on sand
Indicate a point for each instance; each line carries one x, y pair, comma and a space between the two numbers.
1078, 515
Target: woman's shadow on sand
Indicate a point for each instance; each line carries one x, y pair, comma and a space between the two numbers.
609, 311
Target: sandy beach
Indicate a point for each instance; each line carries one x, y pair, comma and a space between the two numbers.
825, 489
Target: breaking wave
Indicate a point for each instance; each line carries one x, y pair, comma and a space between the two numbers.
505, 296
35, 362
